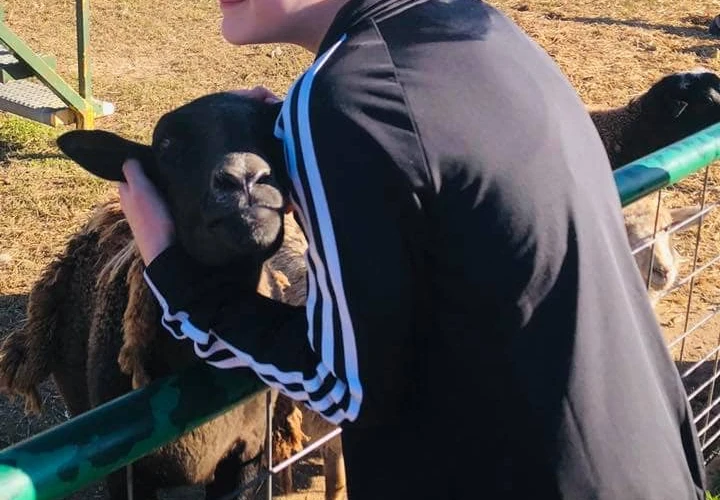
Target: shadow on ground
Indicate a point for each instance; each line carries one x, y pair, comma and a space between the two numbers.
698, 31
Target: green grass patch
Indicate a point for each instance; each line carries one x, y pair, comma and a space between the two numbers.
20, 135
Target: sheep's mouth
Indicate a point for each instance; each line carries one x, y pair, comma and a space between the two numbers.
660, 280
240, 224
244, 219
655, 278
250, 229
254, 233
243, 208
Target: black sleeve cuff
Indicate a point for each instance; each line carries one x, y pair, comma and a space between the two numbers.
177, 277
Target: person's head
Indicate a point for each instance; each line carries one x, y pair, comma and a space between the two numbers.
300, 22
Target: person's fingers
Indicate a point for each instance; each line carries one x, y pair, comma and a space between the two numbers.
260, 93
145, 211
134, 174
254, 93
266, 95
122, 188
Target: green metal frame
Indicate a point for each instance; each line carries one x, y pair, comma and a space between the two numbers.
88, 447
82, 103
84, 449
668, 165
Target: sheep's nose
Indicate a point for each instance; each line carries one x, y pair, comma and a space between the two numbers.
663, 276
240, 172
661, 273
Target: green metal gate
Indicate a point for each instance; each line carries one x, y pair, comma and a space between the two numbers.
50, 100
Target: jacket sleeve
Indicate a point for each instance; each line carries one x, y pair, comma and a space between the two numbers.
232, 328
359, 213
346, 143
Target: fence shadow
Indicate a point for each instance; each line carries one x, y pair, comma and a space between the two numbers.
38, 156
703, 51
699, 31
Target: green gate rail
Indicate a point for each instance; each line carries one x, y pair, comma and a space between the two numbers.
86, 448
668, 165
83, 105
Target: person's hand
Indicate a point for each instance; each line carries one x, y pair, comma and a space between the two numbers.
146, 212
259, 93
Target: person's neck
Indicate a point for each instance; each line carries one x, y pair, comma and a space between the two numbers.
317, 19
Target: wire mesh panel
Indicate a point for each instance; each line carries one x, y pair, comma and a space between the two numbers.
316, 465
679, 258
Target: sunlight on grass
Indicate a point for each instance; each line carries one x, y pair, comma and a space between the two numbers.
18, 133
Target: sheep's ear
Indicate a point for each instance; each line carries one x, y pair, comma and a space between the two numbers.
680, 214
103, 153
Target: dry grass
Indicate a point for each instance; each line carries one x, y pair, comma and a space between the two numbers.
148, 58
152, 56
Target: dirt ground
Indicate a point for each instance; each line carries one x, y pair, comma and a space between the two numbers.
149, 57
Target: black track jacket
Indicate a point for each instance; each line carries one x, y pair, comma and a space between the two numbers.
468, 267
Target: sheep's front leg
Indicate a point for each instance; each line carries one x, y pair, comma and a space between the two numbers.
334, 470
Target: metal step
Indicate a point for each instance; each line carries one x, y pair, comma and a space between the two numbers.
35, 102
13, 69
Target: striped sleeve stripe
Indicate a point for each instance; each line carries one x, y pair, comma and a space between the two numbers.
318, 293
303, 167
310, 305
177, 324
327, 304
219, 353
313, 392
316, 272
298, 198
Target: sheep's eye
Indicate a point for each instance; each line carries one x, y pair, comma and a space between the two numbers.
164, 144
167, 150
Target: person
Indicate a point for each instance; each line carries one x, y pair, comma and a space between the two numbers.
475, 321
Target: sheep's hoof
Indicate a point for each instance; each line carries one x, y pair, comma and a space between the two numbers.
140, 379
33, 402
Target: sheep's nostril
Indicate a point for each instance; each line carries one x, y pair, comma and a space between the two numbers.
661, 275
237, 175
226, 181
257, 178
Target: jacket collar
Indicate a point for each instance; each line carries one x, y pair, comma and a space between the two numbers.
353, 13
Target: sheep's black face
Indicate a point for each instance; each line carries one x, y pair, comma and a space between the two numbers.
213, 160
673, 108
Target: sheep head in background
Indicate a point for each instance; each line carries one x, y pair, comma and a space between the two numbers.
227, 203
676, 106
